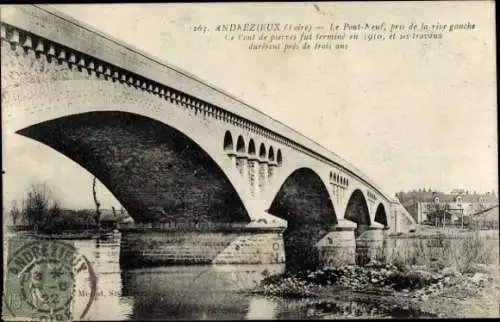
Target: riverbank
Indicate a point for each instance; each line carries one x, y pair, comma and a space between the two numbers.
67, 235
417, 291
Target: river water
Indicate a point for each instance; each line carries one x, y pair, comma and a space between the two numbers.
196, 292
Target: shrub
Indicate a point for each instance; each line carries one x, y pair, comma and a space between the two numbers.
462, 251
410, 280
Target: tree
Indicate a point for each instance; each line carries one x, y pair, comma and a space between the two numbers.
39, 209
15, 213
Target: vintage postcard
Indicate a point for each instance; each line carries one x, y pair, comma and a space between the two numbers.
249, 161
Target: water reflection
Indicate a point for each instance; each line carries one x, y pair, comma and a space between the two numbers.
173, 292
201, 292
104, 256
195, 292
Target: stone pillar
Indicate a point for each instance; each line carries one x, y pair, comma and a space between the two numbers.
232, 157
271, 168
242, 166
253, 176
369, 245
263, 173
338, 247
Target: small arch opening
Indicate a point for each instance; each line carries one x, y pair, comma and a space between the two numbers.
240, 145
251, 147
228, 142
335, 177
271, 154
262, 151
279, 158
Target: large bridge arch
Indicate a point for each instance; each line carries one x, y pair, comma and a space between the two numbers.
303, 200
91, 96
157, 173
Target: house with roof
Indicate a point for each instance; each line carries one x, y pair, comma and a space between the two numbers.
425, 205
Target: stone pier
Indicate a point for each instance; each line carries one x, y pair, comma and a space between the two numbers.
338, 247
177, 244
370, 244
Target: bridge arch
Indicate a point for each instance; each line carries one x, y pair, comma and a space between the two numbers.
381, 215
303, 201
156, 172
357, 211
228, 142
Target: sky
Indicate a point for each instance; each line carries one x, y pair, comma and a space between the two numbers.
408, 114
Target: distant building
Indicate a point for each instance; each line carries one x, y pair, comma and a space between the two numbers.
421, 203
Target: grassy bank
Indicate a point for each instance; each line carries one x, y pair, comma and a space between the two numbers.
446, 274
467, 251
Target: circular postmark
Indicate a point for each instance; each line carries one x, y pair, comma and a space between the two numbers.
42, 279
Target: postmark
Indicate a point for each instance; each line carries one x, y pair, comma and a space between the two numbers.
41, 279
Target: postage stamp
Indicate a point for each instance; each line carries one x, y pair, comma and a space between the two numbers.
41, 278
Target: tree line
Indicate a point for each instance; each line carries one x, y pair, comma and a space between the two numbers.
39, 211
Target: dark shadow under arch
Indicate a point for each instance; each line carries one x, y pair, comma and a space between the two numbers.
156, 172
381, 215
357, 211
251, 147
262, 151
303, 201
279, 157
240, 145
271, 153
228, 142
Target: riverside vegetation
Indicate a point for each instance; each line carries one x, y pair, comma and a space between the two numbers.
447, 275
38, 211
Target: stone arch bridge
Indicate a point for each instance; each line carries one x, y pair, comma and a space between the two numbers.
172, 148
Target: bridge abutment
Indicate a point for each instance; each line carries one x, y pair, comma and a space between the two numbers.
179, 244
